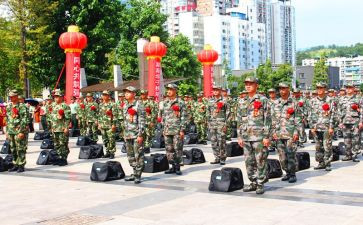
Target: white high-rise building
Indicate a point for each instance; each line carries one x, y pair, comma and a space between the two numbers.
192, 26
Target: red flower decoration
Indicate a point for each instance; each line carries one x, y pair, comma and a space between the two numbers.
148, 110
50, 109
290, 111
15, 111
176, 108
159, 119
109, 112
131, 111
301, 104
257, 104
326, 107
82, 106
220, 105
61, 112
122, 104
355, 107
93, 108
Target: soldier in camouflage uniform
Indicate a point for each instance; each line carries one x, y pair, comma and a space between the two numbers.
322, 114
134, 123
151, 113
81, 116
232, 113
351, 122
285, 122
16, 130
300, 114
120, 120
200, 119
48, 113
188, 101
92, 109
254, 134
272, 101
60, 119
172, 112
217, 114
107, 123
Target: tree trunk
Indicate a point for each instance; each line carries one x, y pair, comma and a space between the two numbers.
23, 66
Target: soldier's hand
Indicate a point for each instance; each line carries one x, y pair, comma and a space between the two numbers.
295, 138
266, 142
21, 136
331, 131
240, 142
66, 131
140, 140
113, 128
181, 134
274, 136
313, 131
360, 126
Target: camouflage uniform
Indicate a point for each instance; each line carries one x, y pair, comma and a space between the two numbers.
301, 116
271, 103
151, 112
255, 115
284, 124
134, 127
120, 120
82, 118
60, 119
174, 122
92, 114
17, 122
350, 117
49, 111
200, 119
322, 120
217, 125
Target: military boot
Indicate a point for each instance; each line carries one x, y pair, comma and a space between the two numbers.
260, 190
355, 159
177, 170
249, 188
15, 168
319, 167
215, 162
171, 170
286, 177
137, 180
130, 178
328, 168
347, 158
292, 179
20, 169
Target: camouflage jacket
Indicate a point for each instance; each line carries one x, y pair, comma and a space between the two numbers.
350, 110
60, 122
322, 113
134, 119
173, 121
255, 119
217, 117
49, 111
92, 110
189, 112
17, 118
151, 111
199, 112
107, 115
81, 111
301, 108
284, 118
232, 109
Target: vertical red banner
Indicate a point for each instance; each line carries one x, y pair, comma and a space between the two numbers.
207, 80
73, 75
157, 79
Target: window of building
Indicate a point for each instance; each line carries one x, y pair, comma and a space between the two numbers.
301, 75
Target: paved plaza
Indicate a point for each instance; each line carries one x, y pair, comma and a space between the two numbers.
65, 195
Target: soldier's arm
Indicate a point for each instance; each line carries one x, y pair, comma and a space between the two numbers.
67, 114
142, 119
267, 120
228, 111
114, 109
183, 117
24, 118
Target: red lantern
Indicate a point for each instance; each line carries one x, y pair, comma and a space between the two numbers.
207, 57
355, 107
290, 111
326, 107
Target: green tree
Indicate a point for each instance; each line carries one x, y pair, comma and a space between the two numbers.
320, 72
236, 84
187, 89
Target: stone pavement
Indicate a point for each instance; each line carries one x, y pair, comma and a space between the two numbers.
65, 195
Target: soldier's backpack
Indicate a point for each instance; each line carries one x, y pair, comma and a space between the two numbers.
48, 157
303, 160
156, 163
226, 180
190, 139
274, 169
193, 156
47, 144
341, 147
41, 135
5, 149
6, 162
158, 141
91, 152
84, 141
110, 170
74, 132
123, 147
335, 153
233, 149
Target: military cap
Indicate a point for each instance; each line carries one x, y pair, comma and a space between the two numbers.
349, 85
331, 90
58, 92
130, 89
251, 79
89, 95
314, 92
200, 94
106, 92
296, 90
217, 87
283, 85
121, 94
343, 89
321, 85
172, 86
21, 96
143, 91
269, 90
13, 93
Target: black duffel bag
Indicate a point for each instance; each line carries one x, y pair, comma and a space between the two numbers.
335, 153
303, 160
110, 170
91, 152
48, 157
191, 138
274, 168
74, 132
226, 180
156, 163
84, 141
47, 144
6, 163
5, 149
158, 141
193, 156
233, 149
38, 136
341, 148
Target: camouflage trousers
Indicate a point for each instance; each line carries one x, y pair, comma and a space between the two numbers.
287, 155
61, 144
256, 161
174, 148
82, 127
50, 129
108, 138
92, 131
324, 147
135, 155
218, 139
149, 135
202, 130
351, 136
18, 149
302, 133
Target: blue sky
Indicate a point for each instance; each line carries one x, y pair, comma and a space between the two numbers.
325, 22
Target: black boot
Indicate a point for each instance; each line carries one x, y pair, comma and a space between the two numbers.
319, 167
292, 179
215, 162
177, 170
15, 168
107, 155
130, 178
20, 169
171, 170
286, 177
249, 188
112, 156
260, 190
